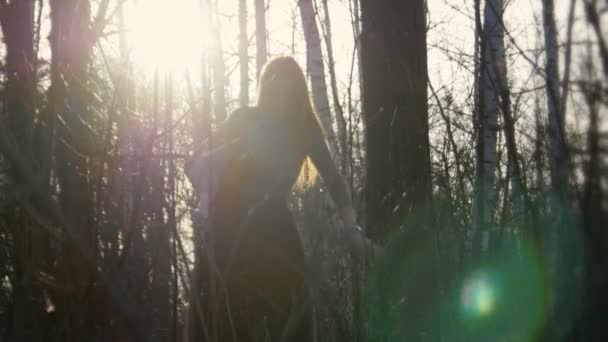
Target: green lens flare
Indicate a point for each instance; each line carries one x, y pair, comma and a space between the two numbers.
504, 297
414, 291
478, 296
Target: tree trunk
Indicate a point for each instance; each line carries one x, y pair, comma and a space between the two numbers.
558, 166
331, 64
217, 65
398, 187
515, 174
17, 23
356, 22
162, 212
492, 66
394, 67
243, 54
71, 41
593, 213
479, 59
595, 20
261, 36
557, 143
316, 71
538, 146
194, 328
16, 148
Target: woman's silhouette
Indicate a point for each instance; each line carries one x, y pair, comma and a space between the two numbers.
256, 255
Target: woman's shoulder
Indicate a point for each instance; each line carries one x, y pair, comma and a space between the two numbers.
243, 113
240, 118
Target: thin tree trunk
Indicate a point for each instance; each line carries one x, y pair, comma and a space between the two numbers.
479, 65
162, 183
513, 166
594, 19
195, 328
539, 127
169, 246
556, 232
557, 142
261, 36
593, 212
339, 112
445, 115
71, 41
538, 145
17, 24
491, 66
218, 67
316, 71
356, 24
243, 54
491, 80
567, 57
16, 128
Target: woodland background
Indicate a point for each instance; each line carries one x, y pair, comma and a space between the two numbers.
472, 134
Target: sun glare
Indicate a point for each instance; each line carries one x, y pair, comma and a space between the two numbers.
167, 36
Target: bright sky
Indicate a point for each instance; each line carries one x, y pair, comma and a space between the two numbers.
171, 37
166, 37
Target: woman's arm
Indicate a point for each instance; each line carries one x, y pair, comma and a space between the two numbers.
225, 136
321, 157
360, 245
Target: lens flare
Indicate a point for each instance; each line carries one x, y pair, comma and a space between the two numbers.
478, 295
505, 296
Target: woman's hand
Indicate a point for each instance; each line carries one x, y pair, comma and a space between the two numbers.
348, 216
360, 246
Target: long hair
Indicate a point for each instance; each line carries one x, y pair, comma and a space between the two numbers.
282, 90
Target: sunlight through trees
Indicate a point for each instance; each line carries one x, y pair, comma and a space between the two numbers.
469, 141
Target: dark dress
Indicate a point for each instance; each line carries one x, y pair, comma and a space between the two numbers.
261, 268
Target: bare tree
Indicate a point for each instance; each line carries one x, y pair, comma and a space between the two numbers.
316, 70
398, 179
557, 140
331, 65
558, 164
71, 41
17, 146
492, 67
261, 36
218, 68
243, 54
594, 19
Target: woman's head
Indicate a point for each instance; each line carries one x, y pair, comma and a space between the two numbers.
282, 88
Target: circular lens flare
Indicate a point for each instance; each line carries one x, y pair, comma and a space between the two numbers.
478, 296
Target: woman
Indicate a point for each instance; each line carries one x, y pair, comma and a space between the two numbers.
254, 251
